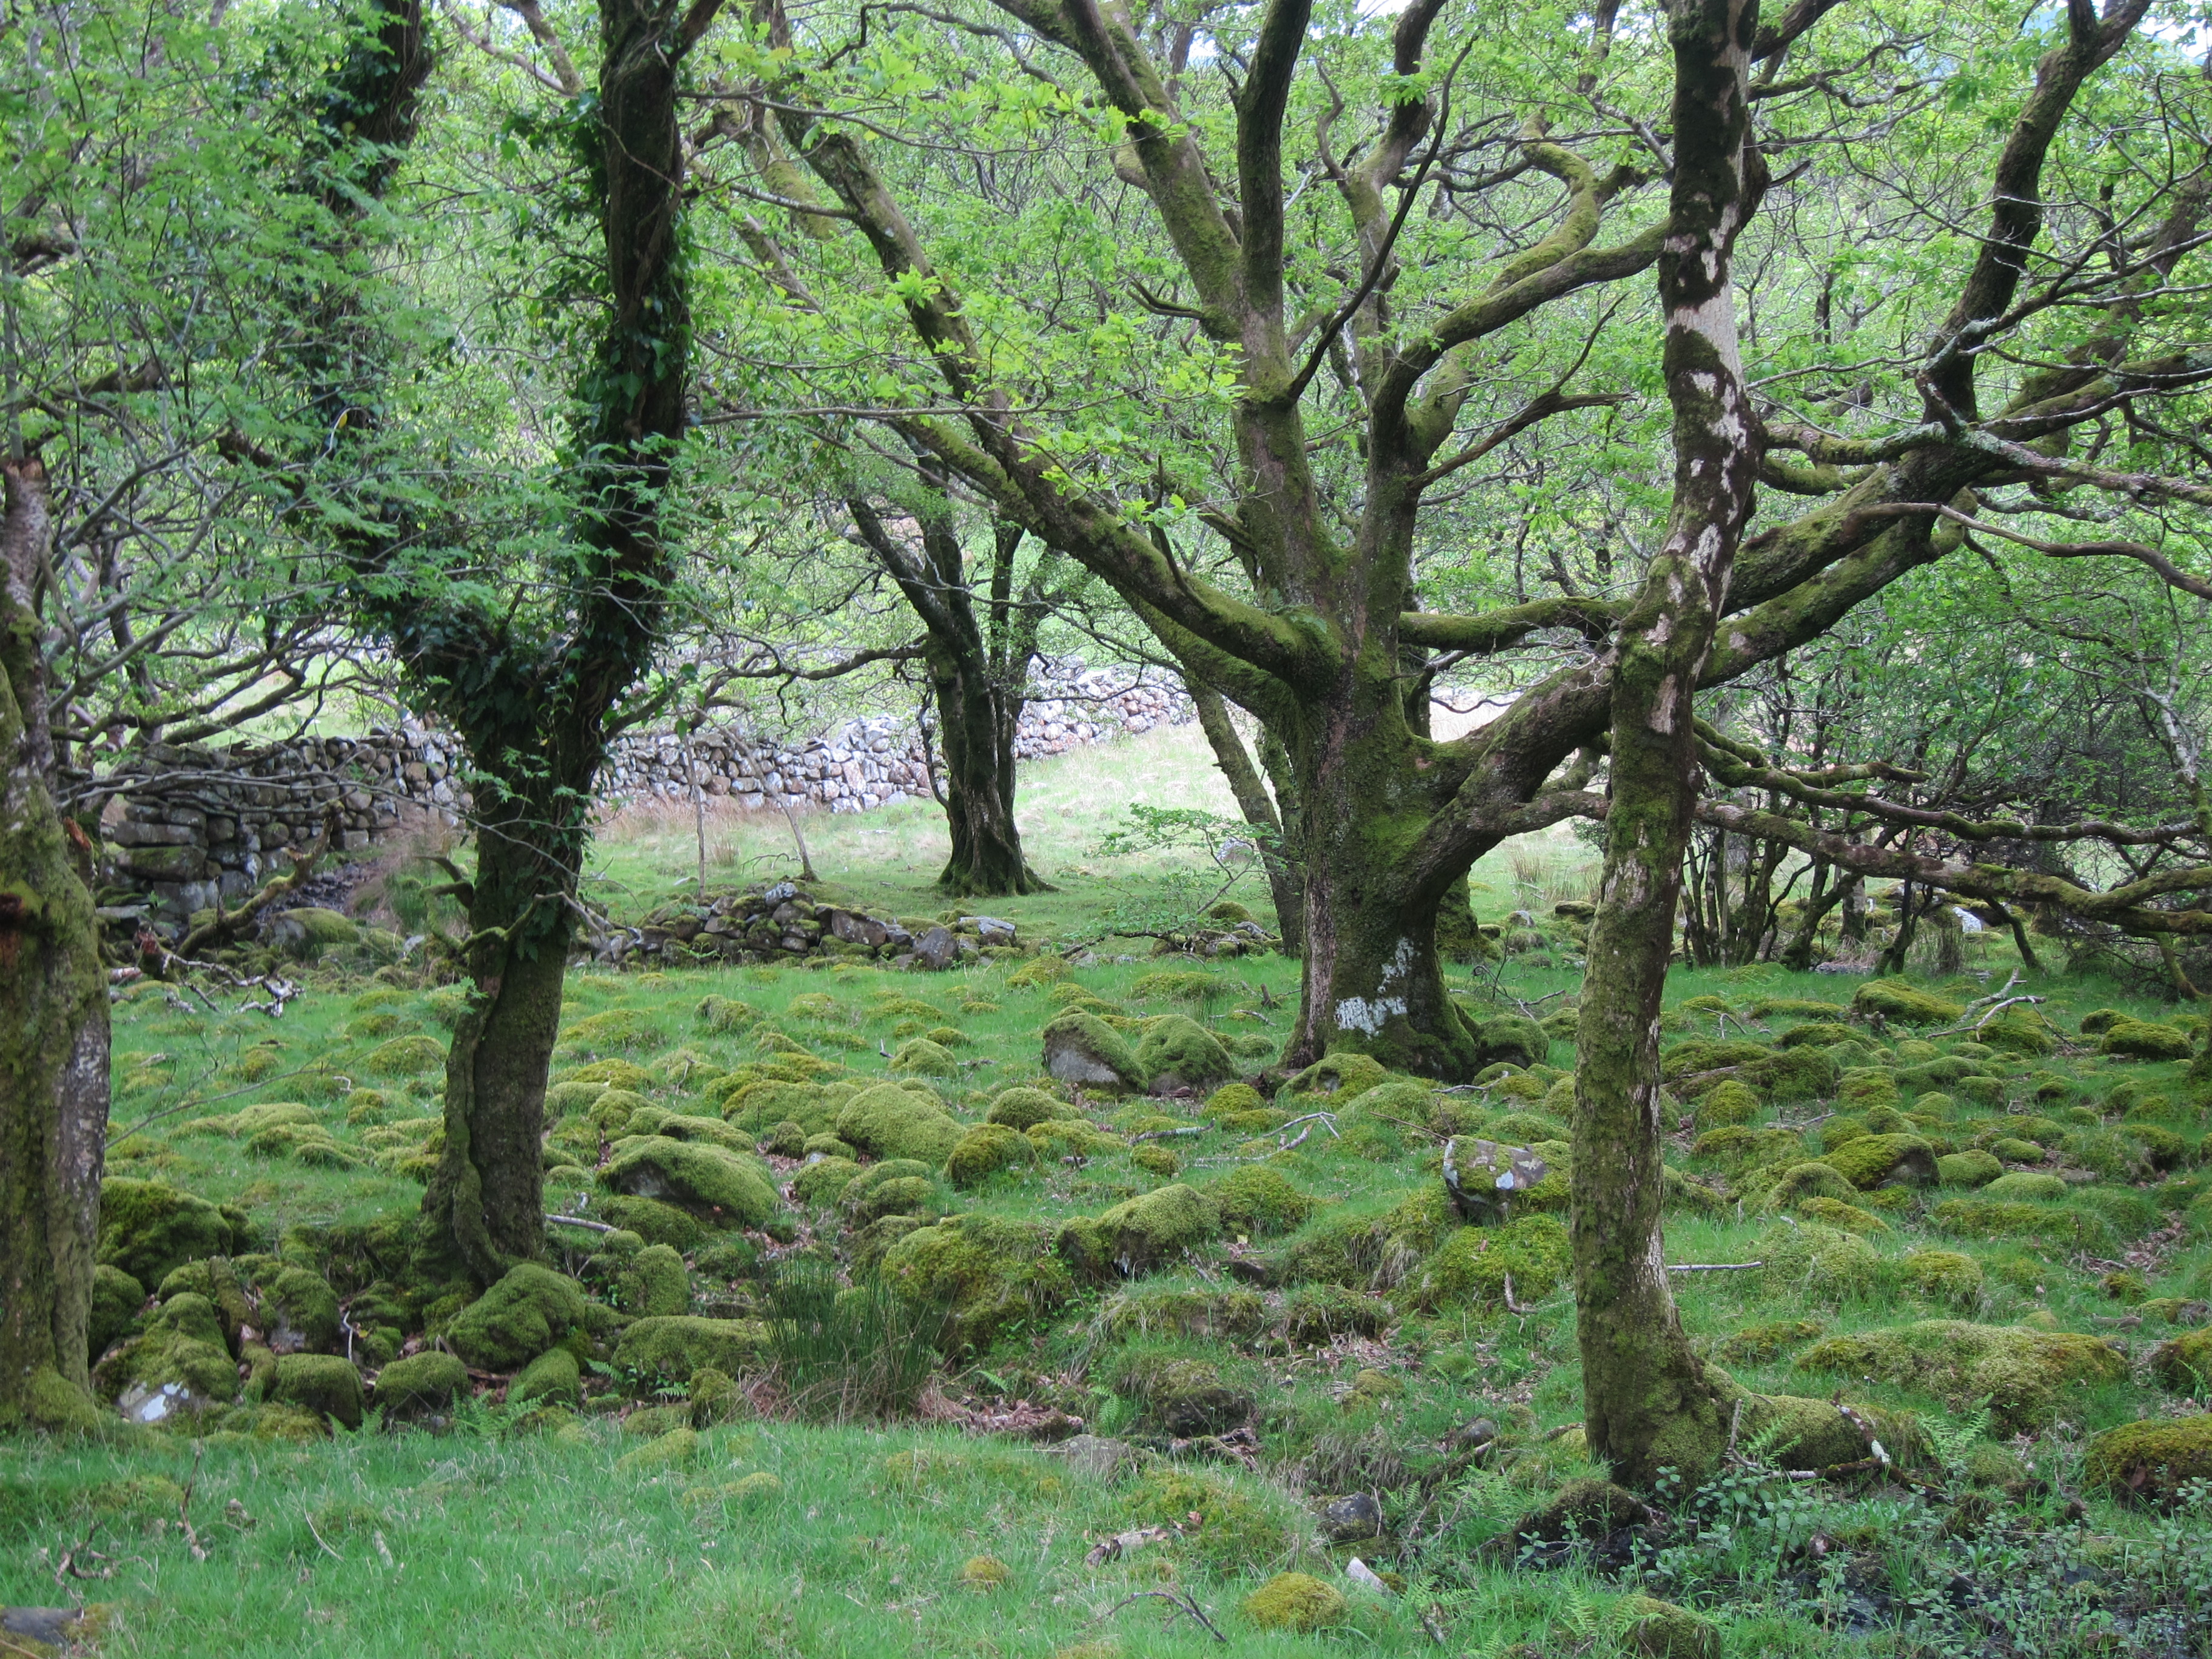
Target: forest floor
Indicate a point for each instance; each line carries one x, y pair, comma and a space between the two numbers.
1315, 1325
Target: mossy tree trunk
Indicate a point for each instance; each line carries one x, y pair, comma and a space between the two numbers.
1647, 1402
53, 1014
1278, 858
978, 679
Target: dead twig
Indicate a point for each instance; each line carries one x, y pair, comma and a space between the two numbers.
185, 1506
1181, 1600
1712, 1266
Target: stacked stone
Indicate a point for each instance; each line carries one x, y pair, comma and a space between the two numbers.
766, 923
194, 824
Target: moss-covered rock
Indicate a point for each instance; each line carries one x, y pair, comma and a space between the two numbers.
671, 1450
1142, 1234
890, 1121
2021, 1371
1971, 1168
922, 1057
670, 1349
182, 1345
2058, 1225
408, 1056
986, 1150
2137, 1039
2029, 1185
646, 1282
149, 1229
1260, 1202
1296, 1602
1342, 1076
116, 1299
1474, 1265
2153, 1459
531, 1309
1235, 1531
1020, 1108
1818, 1261
556, 1377
1081, 1048
1892, 1160
1731, 1101
325, 1382
2183, 1364
987, 1272
1944, 1276
1762, 1343
1184, 1397
1801, 1181
1513, 1039
1904, 1003
1177, 1052
1660, 1630
427, 1382
731, 1188
824, 1179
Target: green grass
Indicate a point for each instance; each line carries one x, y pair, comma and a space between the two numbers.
505, 1537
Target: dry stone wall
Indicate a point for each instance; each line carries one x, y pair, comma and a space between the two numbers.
185, 825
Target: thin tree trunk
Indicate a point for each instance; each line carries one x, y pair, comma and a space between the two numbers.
1647, 1401
53, 1019
1256, 805
1797, 955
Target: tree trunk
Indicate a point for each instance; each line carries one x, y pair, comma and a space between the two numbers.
1256, 806
1797, 955
987, 857
53, 1020
486, 1199
1647, 1401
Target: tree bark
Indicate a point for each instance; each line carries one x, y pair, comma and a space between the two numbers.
1647, 1401
53, 1019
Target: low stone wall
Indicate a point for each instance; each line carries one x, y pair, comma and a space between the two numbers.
184, 825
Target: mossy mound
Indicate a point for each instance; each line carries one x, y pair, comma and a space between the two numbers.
1476, 1265
1083, 1050
1768, 1341
986, 1150
1178, 985
1660, 1630
713, 1182
986, 1271
1260, 1202
1887, 1160
1184, 1397
1731, 1100
2137, 1039
531, 1309
1511, 1039
824, 1181
183, 1345
148, 1229
1343, 1076
2020, 1370
2151, 1460
1296, 1602
613, 1074
2058, 1225
1971, 1168
554, 1377
758, 1104
891, 1121
427, 1382
1021, 1108
116, 1300
1141, 1235
1235, 1532
2184, 1364
1944, 1276
615, 1029
2030, 1185
1233, 1099
1818, 1261
1178, 1053
324, 1382
1801, 1181
922, 1057
671, 1450
670, 1348
1904, 1003
408, 1056
721, 1015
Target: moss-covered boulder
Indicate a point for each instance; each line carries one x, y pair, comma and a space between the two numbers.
1184, 1397
2022, 1371
556, 1377
2026, 1185
1660, 1630
427, 1382
1178, 1053
182, 1345
671, 1450
1021, 1108
1343, 1076
921, 1056
670, 1349
890, 1121
1902, 1003
821, 1180
987, 1272
731, 1188
1141, 1235
1511, 1039
2137, 1039
531, 1309
149, 1229
2153, 1459
325, 1382
1971, 1169
1801, 1181
1944, 1276
643, 1282
418, 1055
1476, 1266
1296, 1602
116, 1300
2183, 1364
1083, 1050
1873, 1161
1731, 1101
1818, 1261
986, 1150
1260, 1202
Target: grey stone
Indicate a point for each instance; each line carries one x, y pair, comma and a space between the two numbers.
1349, 1519
1482, 1176
936, 949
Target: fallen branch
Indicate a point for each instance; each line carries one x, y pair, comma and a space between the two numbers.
1712, 1266
2008, 1002
579, 1221
1181, 1600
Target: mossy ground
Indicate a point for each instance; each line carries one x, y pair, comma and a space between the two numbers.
496, 1530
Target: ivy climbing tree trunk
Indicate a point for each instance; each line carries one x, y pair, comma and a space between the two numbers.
53, 1016
1647, 1401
